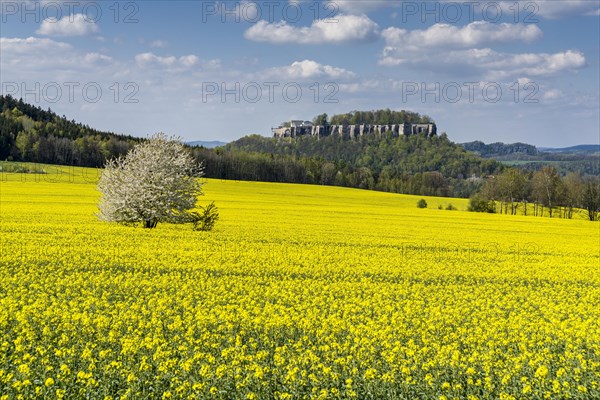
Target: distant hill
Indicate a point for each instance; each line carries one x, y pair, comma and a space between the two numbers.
581, 159
582, 148
499, 149
207, 144
413, 164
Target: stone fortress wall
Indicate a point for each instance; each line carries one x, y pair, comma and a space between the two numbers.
305, 128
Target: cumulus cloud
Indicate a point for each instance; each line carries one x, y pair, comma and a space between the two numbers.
344, 28
534, 64
71, 25
459, 51
489, 63
308, 69
448, 36
145, 59
97, 58
40, 54
31, 44
171, 62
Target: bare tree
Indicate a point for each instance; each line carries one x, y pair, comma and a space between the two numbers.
573, 192
491, 192
157, 181
591, 198
546, 185
511, 184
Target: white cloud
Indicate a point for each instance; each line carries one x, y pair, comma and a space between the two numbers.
41, 54
593, 13
189, 60
145, 59
97, 58
308, 69
31, 44
533, 64
344, 28
488, 63
552, 94
171, 62
71, 25
159, 43
448, 36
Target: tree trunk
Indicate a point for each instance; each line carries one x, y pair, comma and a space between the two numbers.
150, 223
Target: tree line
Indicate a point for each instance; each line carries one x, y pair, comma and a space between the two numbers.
544, 190
374, 117
31, 134
414, 164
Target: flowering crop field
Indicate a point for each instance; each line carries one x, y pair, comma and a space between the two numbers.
300, 292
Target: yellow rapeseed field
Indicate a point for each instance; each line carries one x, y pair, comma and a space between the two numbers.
300, 292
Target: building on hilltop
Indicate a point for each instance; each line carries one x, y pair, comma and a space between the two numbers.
305, 128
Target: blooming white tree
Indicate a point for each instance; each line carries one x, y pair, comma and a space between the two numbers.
157, 181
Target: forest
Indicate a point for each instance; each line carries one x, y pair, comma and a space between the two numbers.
31, 134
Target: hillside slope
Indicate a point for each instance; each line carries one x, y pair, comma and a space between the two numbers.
29, 133
414, 164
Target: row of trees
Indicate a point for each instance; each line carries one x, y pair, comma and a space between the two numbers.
375, 117
254, 166
515, 189
88, 151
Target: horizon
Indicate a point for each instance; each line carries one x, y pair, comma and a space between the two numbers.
192, 140
499, 71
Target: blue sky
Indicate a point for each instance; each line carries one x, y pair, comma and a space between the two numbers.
488, 70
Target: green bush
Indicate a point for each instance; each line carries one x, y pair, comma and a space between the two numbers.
206, 219
451, 207
421, 203
479, 204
